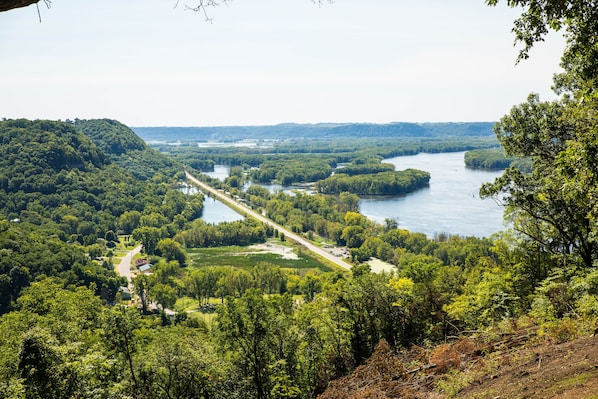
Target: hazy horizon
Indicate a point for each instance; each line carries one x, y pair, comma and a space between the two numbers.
264, 62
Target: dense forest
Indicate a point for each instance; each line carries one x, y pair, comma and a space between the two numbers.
76, 195
125, 148
59, 211
383, 183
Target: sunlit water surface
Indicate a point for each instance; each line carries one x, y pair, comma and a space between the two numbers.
450, 204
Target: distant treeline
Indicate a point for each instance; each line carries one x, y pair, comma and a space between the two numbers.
321, 130
494, 159
384, 183
332, 151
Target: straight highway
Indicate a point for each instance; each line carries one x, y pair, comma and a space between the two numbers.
244, 209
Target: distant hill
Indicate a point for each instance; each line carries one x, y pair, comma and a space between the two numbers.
321, 130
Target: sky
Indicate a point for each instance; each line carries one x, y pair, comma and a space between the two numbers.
264, 62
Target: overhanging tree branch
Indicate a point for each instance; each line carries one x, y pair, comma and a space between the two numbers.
12, 4
200, 6
7, 5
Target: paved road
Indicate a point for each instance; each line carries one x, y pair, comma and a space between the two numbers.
124, 267
250, 212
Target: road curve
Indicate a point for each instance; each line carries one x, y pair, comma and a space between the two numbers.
250, 212
124, 267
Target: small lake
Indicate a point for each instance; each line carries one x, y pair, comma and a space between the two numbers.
276, 188
214, 212
450, 204
220, 172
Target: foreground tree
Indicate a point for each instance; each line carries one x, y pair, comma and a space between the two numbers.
244, 328
261, 336
559, 220
119, 335
179, 362
579, 20
554, 206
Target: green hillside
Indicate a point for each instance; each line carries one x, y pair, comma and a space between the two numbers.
64, 197
126, 149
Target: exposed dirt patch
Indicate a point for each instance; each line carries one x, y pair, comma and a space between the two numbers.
565, 371
379, 266
284, 252
509, 366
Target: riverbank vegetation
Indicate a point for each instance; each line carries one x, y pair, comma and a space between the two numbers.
383, 183
331, 152
494, 159
297, 169
335, 164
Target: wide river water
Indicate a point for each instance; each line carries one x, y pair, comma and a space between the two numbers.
450, 204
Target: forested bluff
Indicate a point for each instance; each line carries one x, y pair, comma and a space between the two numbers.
78, 195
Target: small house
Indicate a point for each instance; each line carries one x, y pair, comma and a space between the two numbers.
146, 268
125, 293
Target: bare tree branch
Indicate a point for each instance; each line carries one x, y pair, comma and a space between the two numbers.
6, 5
202, 5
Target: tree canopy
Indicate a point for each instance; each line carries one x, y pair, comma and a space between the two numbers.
555, 205
579, 20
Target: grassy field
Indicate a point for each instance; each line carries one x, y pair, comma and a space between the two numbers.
246, 257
